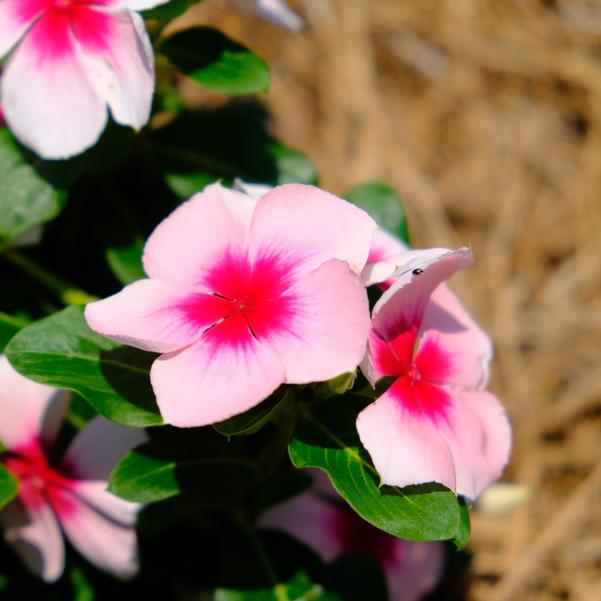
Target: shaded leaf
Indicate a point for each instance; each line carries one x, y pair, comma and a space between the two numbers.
8, 486
126, 261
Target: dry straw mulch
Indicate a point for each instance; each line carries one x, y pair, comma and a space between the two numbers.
486, 117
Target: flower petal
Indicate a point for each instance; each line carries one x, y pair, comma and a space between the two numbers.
311, 520
106, 543
403, 305
46, 96
198, 234
34, 532
225, 372
456, 334
16, 16
479, 436
326, 332
154, 316
123, 73
311, 226
28, 411
405, 448
137, 5
280, 14
98, 447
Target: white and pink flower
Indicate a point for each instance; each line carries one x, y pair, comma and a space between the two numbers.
245, 294
71, 495
436, 422
69, 61
322, 521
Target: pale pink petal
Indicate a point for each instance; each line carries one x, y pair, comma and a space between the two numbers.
28, 411
311, 520
198, 234
225, 373
405, 448
385, 255
34, 533
155, 316
122, 73
479, 436
278, 12
309, 226
16, 16
254, 190
469, 349
46, 96
403, 305
136, 5
326, 332
98, 447
384, 246
108, 544
96, 496
415, 569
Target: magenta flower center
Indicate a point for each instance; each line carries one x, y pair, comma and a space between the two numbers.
39, 482
421, 367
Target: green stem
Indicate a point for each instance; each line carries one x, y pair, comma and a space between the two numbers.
68, 294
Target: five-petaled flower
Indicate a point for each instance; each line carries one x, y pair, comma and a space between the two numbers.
69, 60
71, 493
321, 520
436, 422
245, 294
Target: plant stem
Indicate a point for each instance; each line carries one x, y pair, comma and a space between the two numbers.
68, 294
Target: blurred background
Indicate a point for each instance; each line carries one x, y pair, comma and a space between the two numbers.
485, 115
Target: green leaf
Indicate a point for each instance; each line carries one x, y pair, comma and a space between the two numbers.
293, 166
169, 10
326, 438
338, 385
191, 462
217, 63
126, 261
384, 205
26, 199
62, 351
465, 527
254, 419
8, 486
185, 185
300, 588
9, 326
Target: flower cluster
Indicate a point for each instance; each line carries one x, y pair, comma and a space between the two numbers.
250, 291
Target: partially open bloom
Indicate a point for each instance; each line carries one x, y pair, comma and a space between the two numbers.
436, 422
71, 494
322, 521
275, 10
245, 294
70, 60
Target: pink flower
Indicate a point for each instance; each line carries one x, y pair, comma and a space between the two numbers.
274, 10
245, 294
73, 492
321, 520
69, 60
436, 422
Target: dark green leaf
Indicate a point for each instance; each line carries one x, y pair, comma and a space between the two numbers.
194, 462
293, 166
338, 385
217, 63
62, 351
126, 261
326, 438
465, 527
26, 200
169, 10
8, 486
384, 205
254, 419
299, 588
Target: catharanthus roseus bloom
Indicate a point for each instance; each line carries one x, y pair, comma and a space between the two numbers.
245, 294
321, 520
71, 493
71, 59
275, 10
436, 422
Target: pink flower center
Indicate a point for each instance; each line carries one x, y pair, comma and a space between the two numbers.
356, 535
39, 483
61, 22
421, 366
247, 300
